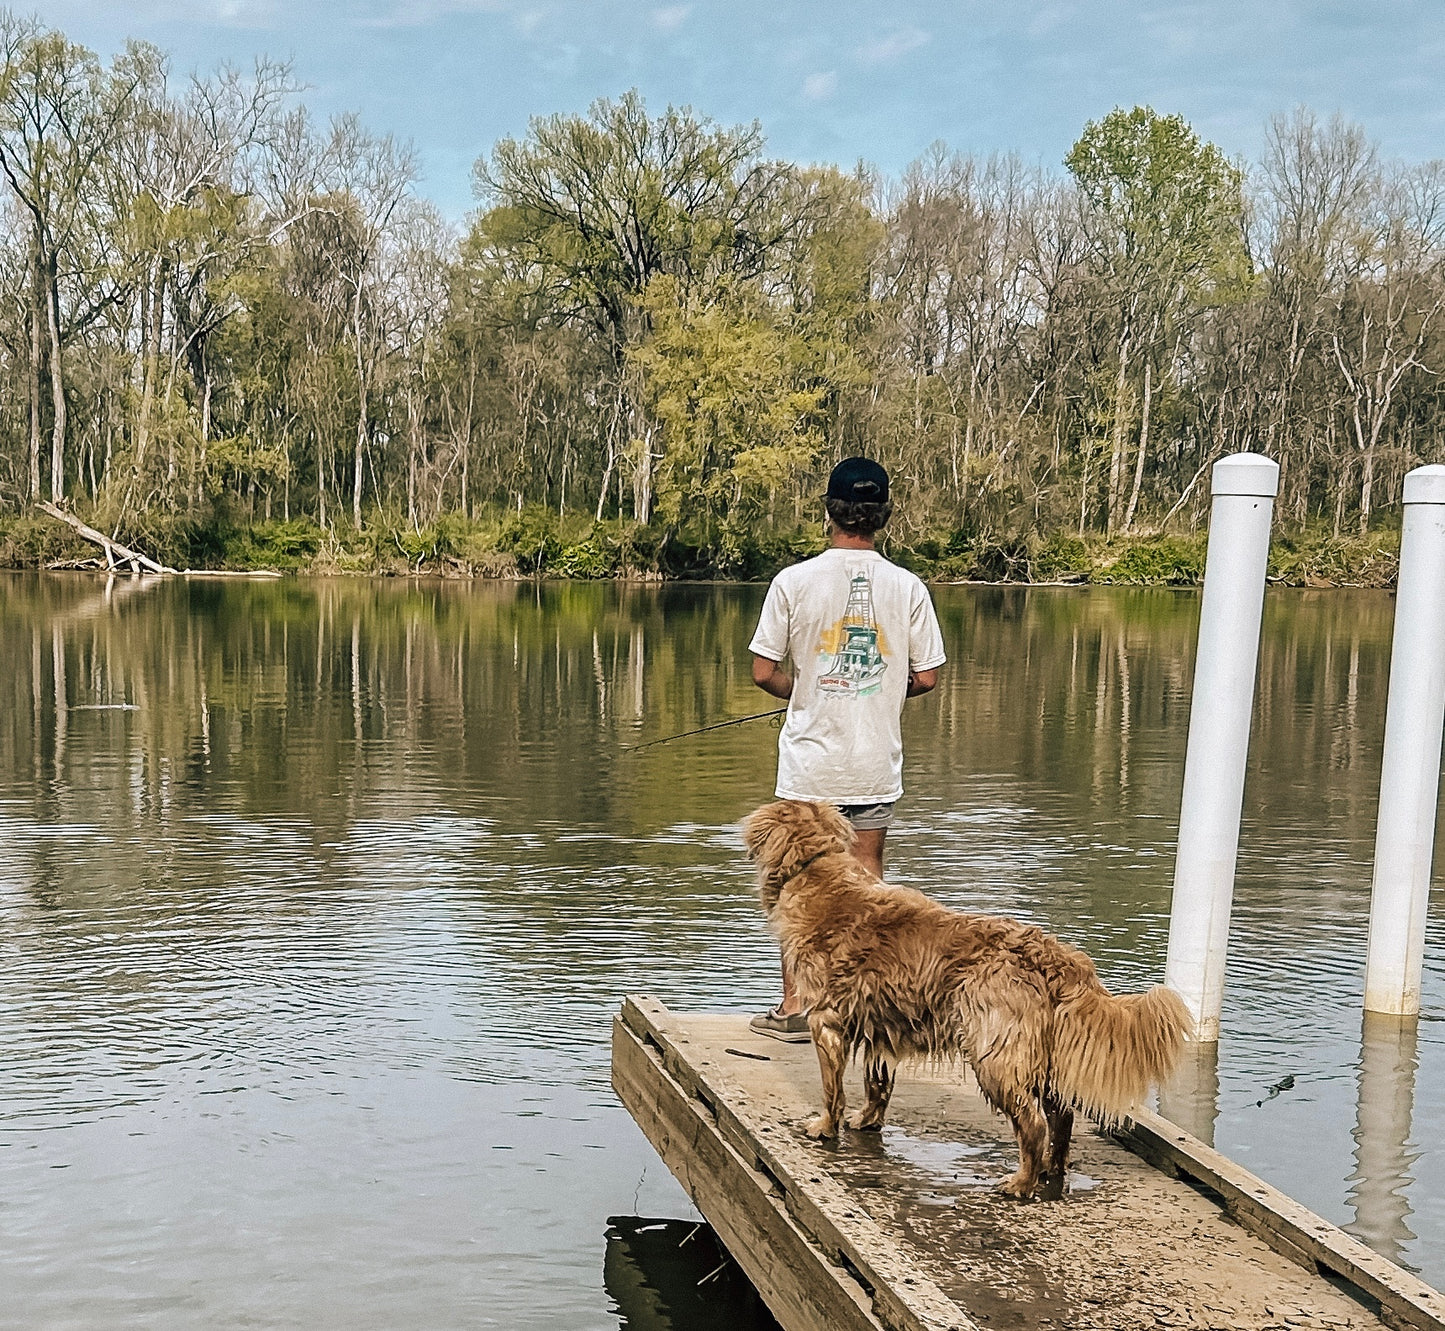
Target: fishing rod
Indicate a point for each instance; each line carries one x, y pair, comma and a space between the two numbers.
716, 725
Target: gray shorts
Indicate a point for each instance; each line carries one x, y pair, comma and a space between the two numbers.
867, 817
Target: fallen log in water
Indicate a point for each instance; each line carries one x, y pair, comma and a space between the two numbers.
115, 553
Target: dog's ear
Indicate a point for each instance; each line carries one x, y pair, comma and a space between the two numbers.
756, 827
831, 823
785, 835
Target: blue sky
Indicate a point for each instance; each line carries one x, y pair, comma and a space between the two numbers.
830, 81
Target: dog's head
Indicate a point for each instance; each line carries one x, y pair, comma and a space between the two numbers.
784, 836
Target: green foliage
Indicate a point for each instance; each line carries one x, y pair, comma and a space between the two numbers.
275, 545
589, 210
1063, 557
28, 540
1167, 560
723, 382
1318, 558
1172, 206
654, 339
537, 543
533, 536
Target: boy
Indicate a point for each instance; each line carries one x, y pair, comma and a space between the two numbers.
863, 637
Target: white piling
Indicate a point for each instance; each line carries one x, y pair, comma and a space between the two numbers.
1410, 773
1244, 487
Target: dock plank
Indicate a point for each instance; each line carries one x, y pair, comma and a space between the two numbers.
903, 1230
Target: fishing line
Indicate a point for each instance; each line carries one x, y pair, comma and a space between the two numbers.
702, 730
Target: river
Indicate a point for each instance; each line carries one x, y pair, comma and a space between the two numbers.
317, 896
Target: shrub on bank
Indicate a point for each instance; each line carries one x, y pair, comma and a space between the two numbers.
537, 542
1151, 561
28, 540
277, 545
1061, 557
1318, 558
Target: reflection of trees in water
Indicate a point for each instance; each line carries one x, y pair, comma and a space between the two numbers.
1067, 681
314, 694
1088, 692
317, 698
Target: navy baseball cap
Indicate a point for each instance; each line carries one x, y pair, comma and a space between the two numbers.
859, 481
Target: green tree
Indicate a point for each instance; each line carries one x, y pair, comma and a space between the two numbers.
1163, 213
730, 389
60, 114
585, 212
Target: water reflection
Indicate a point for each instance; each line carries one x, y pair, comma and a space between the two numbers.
1384, 1158
670, 1275
1191, 1099
316, 898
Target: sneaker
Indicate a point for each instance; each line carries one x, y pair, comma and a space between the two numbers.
792, 1028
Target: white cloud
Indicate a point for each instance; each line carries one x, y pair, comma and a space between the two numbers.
221, 13
820, 87
242, 13
1049, 20
670, 17
897, 43
421, 13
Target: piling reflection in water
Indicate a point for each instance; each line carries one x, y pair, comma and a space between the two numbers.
1384, 1158
1191, 1099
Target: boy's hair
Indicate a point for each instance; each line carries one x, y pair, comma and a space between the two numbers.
857, 518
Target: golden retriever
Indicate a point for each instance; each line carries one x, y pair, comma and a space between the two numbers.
890, 974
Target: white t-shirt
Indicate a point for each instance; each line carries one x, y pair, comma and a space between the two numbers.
855, 625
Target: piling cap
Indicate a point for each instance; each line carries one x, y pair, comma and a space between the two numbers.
1425, 485
1246, 474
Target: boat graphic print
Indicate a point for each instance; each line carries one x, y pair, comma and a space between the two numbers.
857, 666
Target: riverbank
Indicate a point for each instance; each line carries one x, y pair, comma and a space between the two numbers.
536, 543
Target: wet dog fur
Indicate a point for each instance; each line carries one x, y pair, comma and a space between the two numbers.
890, 975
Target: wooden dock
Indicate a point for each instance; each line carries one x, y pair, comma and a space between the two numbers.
902, 1231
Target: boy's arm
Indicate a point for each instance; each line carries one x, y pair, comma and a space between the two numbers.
925, 644
770, 676
919, 681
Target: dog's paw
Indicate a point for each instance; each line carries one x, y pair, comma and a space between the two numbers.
862, 1121
1018, 1187
820, 1128
1051, 1187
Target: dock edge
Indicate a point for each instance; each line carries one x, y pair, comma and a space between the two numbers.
815, 1259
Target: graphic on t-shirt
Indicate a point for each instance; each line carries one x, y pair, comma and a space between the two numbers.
857, 665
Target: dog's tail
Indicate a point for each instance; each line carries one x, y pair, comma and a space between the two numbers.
1110, 1048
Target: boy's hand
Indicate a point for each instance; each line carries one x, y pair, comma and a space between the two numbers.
921, 682
772, 678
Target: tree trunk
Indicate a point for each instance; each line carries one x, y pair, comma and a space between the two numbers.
320, 480
36, 354
411, 462
1143, 447
1116, 442
360, 414
1367, 487
57, 391
205, 435
642, 479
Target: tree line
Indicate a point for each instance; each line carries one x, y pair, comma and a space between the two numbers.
223, 322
